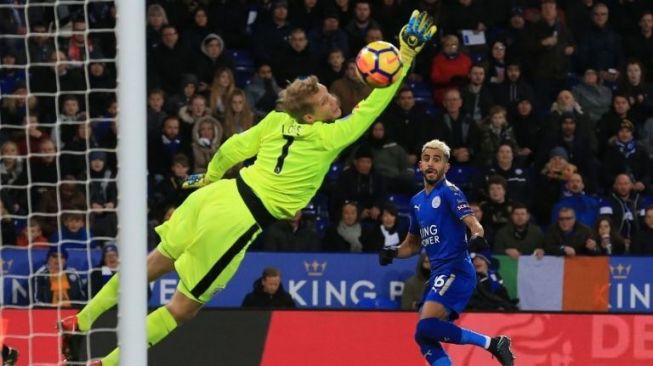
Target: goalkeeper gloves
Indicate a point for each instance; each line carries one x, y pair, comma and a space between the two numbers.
478, 244
414, 35
194, 181
386, 255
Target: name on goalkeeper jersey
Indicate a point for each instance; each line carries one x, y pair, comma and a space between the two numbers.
429, 235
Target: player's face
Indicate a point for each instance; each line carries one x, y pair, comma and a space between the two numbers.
434, 165
325, 106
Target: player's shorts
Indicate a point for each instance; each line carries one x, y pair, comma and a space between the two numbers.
208, 235
452, 288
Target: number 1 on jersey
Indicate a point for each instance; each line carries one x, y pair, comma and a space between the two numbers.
284, 153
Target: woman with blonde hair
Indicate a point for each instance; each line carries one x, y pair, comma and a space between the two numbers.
238, 116
222, 86
156, 19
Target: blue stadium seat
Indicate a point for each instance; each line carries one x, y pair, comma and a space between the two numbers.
243, 60
421, 90
334, 172
401, 202
243, 78
477, 57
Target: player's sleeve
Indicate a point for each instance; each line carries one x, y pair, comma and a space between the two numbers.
238, 148
414, 225
458, 202
348, 129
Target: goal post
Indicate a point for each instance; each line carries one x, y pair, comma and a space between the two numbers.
132, 181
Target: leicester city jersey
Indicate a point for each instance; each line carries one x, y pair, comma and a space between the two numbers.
436, 217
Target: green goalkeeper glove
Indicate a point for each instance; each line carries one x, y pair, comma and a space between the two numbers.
194, 181
414, 35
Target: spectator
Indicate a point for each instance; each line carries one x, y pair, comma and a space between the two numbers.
517, 37
12, 167
640, 45
391, 161
72, 162
67, 196
567, 237
306, 14
272, 35
345, 236
638, 91
455, 128
513, 89
233, 21
579, 17
43, 169
642, 244
40, 44
31, 236
601, 49
528, 129
497, 64
411, 298
56, 284
207, 137
238, 116
405, 120
168, 61
609, 241
550, 180
268, 292
359, 24
222, 86
294, 235
592, 96
263, 91
155, 112
586, 207
212, 58
449, 68
7, 227
80, 45
34, 134
350, 89
333, 67
477, 99
99, 77
57, 77
464, 15
195, 35
10, 76
73, 233
490, 293
295, 59
168, 143
103, 196
565, 105
610, 123
192, 112
519, 184
108, 266
624, 205
373, 35
169, 191
345, 10
495, 131
328, 37
69, 119
497, 207
385, 232
625, 155
577, 148
550, 50
188, 88
156, 20
388, 14
360, 184
520, 236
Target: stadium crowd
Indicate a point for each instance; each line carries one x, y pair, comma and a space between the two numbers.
548, 108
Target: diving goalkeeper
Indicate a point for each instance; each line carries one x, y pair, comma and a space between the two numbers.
206, 238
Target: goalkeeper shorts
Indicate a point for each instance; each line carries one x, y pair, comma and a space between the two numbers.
208, 235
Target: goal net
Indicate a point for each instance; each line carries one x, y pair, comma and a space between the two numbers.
58, 166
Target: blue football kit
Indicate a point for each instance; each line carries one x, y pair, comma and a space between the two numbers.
436, 217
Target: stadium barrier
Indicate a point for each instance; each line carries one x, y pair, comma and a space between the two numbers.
335, 281
354, 338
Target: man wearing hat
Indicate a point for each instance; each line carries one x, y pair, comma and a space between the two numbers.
272, 34
328, 37
107, 268
55, 283
626, 155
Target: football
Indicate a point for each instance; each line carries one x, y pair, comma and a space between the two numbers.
379, 64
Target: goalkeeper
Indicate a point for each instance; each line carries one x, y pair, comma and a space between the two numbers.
206, 238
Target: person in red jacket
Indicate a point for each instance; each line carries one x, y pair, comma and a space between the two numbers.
449, 68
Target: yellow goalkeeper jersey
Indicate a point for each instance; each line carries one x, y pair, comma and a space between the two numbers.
292, 158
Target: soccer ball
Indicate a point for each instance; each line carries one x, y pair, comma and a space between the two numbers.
379, 64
